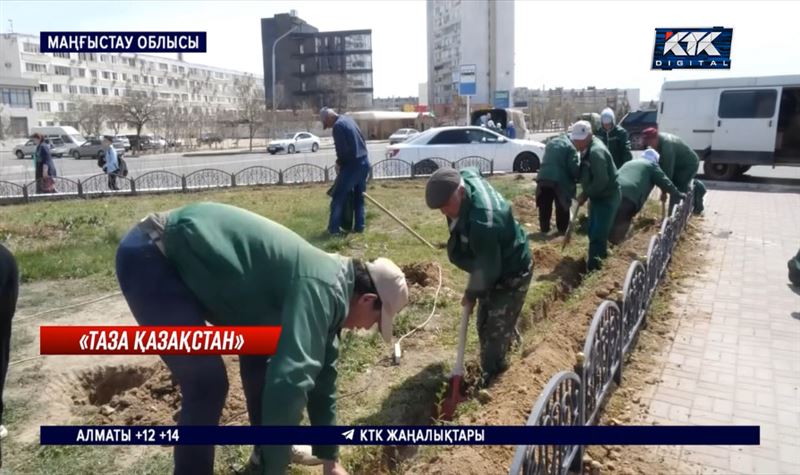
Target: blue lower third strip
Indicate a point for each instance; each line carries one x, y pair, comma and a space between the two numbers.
400, 435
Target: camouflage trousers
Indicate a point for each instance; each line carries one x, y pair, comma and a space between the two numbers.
498, 312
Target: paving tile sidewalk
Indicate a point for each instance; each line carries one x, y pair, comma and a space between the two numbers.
735, 358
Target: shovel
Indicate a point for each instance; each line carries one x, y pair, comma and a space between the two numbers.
573, 221
453, 396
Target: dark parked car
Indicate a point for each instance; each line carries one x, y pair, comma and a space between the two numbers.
141, 142
93, 148
635, 123
208, 139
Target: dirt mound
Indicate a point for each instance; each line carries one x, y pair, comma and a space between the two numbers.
545, 257
423, 274
144, 395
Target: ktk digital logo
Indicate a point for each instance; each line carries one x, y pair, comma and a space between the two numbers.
693, 48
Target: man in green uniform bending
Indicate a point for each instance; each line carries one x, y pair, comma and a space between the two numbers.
599, 185
678, 160
488, 243
215, 263
636, 180
615, 138
555, 182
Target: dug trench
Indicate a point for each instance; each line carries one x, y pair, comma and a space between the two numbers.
556, 334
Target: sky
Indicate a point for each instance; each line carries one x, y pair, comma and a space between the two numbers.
570, 44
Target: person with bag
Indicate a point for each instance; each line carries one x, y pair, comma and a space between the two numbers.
110, 163
45, 169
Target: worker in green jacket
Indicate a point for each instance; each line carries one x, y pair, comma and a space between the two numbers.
488, 243
794, 270
678, 160
555, 182
615, 138
636, 180
216, 263
599, 185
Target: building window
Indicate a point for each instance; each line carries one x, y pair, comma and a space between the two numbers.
105, 91
42, 88
359, 80
60, 107
93, 73
103, 58
114, 76
302, 68
73, 89
113, 59
116, 92
61, 55
163, 67
174, 68
16, 97
93, 90
161, 80
61, 71
132, 62
181, 69
56, 87
124, 76
79, 72
106, 75
36, 68
302, 50
303, 86
136, 78
30, 47
358, 61
70, 106
87, 57
43, 106
84, 89
152, 80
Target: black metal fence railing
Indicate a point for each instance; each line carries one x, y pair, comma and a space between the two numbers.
161, 181
612, 334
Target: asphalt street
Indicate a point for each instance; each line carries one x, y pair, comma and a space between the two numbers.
21, 171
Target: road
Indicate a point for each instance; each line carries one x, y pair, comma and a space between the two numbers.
21, 171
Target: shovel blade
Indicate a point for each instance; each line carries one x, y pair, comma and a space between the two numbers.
452, 399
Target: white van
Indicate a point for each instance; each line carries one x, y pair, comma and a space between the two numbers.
735, 123
71, 137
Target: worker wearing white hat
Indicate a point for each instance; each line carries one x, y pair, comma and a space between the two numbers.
598, 178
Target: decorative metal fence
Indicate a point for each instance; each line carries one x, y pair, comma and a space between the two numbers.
559, 405
160, 181
612, 334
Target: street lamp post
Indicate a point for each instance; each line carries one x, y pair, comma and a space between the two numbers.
274, 44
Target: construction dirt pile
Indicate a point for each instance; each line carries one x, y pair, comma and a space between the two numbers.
551, 349
424, 274
145, 395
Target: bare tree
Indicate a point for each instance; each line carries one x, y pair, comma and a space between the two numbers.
251, 107
88, 115
138, 108
115, 117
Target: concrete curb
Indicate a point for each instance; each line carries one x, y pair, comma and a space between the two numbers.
744, 186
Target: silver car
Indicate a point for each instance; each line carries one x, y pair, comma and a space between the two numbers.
94, 148
57, 148
402, 135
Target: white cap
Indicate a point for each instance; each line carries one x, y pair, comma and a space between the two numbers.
580, 130
511, 123
651, 155
390, 282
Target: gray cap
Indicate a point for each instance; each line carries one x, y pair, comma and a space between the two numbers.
441, 186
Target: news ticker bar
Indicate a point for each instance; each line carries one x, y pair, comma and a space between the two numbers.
122, 41
400, 435
158, 340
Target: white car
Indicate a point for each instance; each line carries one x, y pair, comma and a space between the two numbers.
294, 143
455, 143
